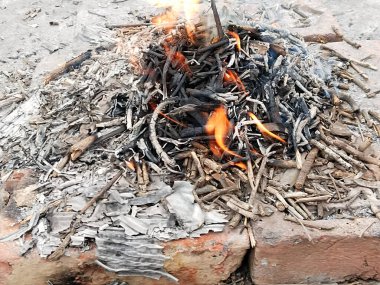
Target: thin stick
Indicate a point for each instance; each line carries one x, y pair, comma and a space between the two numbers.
73, 63
331, 153
250, 179
153, 134
66, 241
258, 178
101, 192
340, 35
306, 168
251, 236
348, 158
313, 199
283, 201
359, 71
218, 23
120, 26
219, 192
323, 38
165, 71
341, 56
198, 164
355, 152
239, 210
309, 224
367, 228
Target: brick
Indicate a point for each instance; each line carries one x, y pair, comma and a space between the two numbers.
284, 254
204, 260
19, 179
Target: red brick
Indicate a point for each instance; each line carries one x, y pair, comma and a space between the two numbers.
284, 254
19, 179
205, 260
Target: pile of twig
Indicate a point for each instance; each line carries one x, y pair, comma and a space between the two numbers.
273, 94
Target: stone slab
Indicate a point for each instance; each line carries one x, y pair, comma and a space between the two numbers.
285, 255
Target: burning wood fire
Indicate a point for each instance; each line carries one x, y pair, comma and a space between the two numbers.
233, 122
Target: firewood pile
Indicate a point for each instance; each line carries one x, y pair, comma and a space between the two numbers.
175, 131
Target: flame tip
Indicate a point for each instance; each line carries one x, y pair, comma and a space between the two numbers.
263, 130
219, 126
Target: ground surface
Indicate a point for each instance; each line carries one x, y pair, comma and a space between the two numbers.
35, 36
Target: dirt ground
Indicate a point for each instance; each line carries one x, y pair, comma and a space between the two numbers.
36, 36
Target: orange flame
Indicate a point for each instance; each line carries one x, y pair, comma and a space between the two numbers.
176, 9
179, 60
219, 126
240, 164
264, 130
167, 20
231, 77
154, 106
131, 165
237, 38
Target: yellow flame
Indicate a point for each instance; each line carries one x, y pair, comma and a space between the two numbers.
219, 126
264, 130
187, 9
